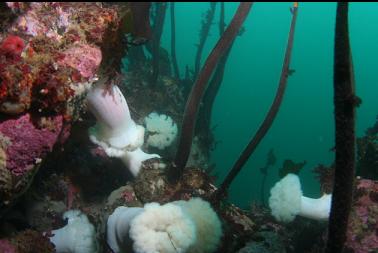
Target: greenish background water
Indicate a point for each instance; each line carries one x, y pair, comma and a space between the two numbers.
304, 127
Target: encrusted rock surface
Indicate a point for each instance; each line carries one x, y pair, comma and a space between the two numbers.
50, 54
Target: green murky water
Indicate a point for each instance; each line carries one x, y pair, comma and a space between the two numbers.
304, 127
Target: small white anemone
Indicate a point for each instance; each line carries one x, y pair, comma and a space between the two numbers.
161, 130
78, 236
287, 201
176, 227
114, 131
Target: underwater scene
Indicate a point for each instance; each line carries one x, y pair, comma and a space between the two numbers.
185, 127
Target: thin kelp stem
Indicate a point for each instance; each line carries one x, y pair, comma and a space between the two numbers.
141, 21
136, 57
265, 126
173, 42
158, 30
345, 102
222, 24
204, 33
192, 105
203, 125
262, 190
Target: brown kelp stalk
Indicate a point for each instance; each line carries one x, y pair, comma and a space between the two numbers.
192, 105
203, 125
270, 161
158, 30
173, 42
221, 24
136, 57
265, 126
141, 29
345, 102
204, 33
262, 187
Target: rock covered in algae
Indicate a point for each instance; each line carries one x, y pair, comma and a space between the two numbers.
7, 247
267, 242
28, 143
362, 236
50, 49
152, 184
6, 181
27, 241
363, 221
50, 54
23, 146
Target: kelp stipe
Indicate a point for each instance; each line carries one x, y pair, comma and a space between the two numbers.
266, 124
204, 34
192, 105
345, 102
173, 41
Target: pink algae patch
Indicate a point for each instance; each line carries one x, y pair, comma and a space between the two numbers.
6, 247
27, 142
83, 58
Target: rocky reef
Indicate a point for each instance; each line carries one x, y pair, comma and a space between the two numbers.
50, 54
363, 225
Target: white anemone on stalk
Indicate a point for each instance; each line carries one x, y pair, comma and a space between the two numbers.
115, 130
287, 201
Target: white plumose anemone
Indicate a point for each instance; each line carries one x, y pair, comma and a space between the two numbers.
161, 130
162, 228
154, 228
180, 226
78, 236
287, 201
115, 130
